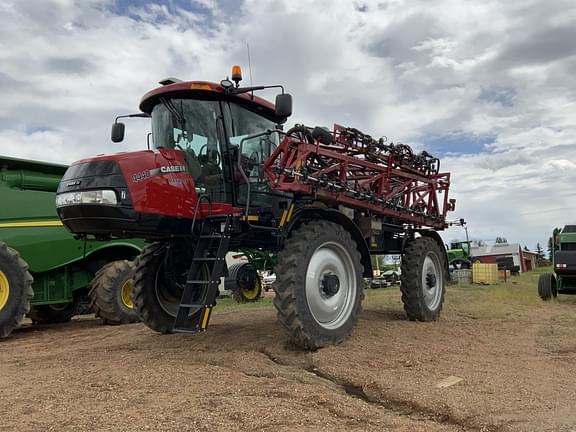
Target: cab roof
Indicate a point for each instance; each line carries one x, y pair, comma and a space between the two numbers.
206, 90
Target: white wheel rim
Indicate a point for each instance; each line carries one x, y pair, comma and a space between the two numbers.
331, 310
432, 281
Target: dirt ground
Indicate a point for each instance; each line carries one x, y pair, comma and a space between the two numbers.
516, 357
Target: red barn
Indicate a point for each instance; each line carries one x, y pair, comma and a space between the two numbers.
526, 260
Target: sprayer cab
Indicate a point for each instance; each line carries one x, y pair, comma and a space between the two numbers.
200, 136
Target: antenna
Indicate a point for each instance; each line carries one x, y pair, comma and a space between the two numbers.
249, 66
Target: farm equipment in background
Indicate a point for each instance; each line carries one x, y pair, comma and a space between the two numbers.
44, 272
459, 256
245, 279
223, 175
563, 280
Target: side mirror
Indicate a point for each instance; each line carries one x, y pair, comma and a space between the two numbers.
117, 134
283, 107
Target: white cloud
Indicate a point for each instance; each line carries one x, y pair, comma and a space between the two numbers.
404, 69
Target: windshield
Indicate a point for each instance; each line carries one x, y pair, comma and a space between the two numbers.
186, 124
191, 126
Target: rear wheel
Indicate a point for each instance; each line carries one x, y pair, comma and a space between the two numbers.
111, 293
159, 279
15, 290
319, 285
547, 286
423, 277
460, 264
244, 282
53, 313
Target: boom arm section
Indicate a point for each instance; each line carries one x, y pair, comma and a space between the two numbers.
351, 168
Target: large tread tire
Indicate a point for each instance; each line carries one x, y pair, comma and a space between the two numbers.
547, 286
413, 288
53, 314
237, 282
291, 302
146, 295
111, 292
15, 290
147, 307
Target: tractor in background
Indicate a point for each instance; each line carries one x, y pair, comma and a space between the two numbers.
248, 276
459, 256
46, 273
563, 280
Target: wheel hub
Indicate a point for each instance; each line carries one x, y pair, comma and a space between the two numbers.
331, 288
4, 290
430, 280
126, 294
330, 284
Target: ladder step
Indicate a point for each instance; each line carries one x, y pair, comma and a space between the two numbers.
198, 282
211, 236
208, 259
192, 305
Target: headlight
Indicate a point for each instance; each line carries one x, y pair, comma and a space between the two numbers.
86, 197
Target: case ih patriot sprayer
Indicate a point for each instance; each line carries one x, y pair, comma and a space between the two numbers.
223, 176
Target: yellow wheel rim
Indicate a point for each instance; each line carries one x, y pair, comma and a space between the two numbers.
126, 294
4, 290
253, 293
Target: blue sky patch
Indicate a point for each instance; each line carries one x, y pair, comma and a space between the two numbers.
498, 95
443, 145
129, 7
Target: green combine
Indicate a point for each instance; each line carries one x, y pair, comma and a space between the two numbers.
563, 280
45, 273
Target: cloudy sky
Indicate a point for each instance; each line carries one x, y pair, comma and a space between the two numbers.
488, 86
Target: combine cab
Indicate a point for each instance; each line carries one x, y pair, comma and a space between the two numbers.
224, 176
563, 280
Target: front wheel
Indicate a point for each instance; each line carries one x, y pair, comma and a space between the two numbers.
547, 286
159, 279
423, 278
111, 293
319, 285
15, 290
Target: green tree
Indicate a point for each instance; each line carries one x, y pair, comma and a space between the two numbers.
539, 252
551, 245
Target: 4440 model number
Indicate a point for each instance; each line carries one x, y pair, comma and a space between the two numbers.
140, 176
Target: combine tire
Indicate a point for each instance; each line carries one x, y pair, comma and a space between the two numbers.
53, 313
461, 264
155, 298
111, 293
547, 286
423, 278
319, 285
244, 282
15, 290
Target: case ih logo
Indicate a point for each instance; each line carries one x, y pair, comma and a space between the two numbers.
172, 169
139, 176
